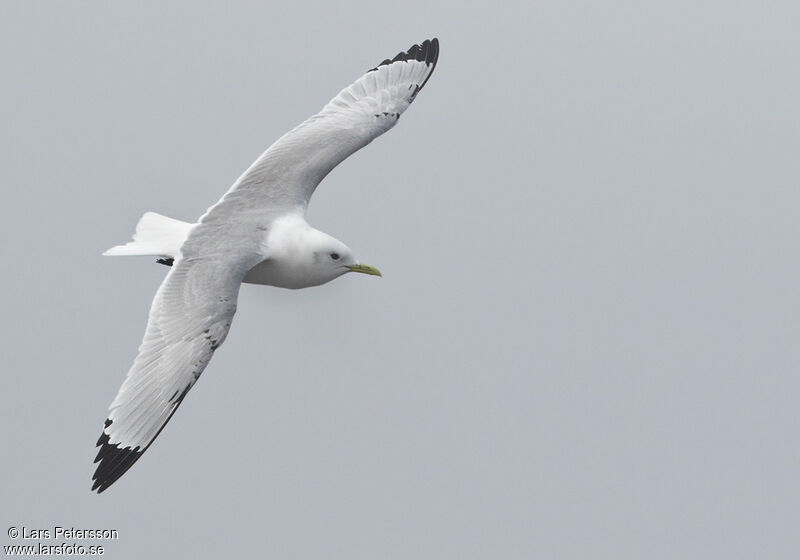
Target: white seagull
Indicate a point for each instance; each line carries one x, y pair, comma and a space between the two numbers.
256, 233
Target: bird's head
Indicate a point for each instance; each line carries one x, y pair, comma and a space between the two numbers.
333, 258
301, 256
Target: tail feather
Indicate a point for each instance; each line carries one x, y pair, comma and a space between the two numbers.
155, 235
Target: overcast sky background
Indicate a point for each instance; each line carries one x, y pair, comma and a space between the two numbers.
585, 341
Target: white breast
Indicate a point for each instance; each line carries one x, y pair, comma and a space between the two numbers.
282, 274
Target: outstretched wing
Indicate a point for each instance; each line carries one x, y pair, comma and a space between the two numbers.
285, 176
189, 318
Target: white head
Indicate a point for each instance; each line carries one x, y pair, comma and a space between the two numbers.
330, 257
301, 256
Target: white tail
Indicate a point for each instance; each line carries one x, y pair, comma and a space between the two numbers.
155, 235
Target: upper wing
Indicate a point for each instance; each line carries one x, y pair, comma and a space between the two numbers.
285, 176
189, 319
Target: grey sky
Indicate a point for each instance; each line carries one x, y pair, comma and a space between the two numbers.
584, 343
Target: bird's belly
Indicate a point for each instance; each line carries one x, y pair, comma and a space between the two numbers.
272, 273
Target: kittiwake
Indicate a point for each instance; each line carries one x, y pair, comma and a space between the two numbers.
256, 233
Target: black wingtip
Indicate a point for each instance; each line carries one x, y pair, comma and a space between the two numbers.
427, 52
114, 462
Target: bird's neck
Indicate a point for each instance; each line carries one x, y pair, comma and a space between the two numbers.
290, 237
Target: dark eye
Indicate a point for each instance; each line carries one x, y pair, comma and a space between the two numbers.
335, 256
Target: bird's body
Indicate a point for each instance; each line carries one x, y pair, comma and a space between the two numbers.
288, 251
257, 233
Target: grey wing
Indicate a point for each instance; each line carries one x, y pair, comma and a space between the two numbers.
189, 318
285, 176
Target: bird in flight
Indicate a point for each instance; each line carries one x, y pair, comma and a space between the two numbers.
256, 233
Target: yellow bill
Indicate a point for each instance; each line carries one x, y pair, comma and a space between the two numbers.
365, 269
